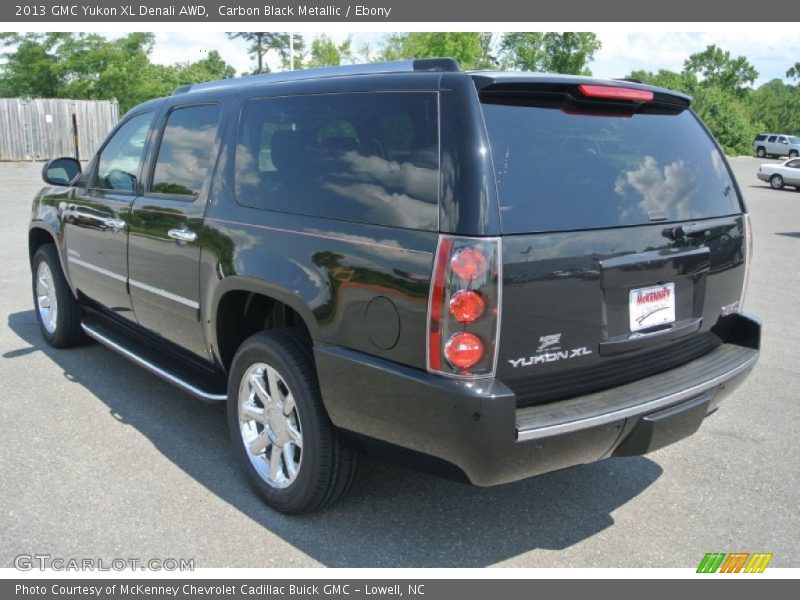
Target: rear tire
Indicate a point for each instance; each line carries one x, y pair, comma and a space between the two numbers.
761, 152
776, 182
291, 453
57, 310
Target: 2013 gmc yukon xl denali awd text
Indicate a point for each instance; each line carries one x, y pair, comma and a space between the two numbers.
493, 275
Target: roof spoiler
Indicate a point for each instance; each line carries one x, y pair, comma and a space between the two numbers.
435, 65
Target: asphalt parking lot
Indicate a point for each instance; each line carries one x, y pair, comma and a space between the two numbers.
101, 459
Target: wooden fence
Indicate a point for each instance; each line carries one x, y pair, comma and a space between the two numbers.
44, 128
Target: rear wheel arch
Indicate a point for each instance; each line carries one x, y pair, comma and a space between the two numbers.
244, 308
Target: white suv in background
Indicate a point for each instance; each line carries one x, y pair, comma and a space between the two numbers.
776, 144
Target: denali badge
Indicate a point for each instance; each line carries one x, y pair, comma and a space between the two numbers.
547, 341
548, 357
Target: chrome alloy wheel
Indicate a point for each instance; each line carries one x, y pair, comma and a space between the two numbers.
270, 425
46, 300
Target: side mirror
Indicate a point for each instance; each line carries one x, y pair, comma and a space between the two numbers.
61, 171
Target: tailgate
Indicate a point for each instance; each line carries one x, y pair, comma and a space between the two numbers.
623, 237
568, 299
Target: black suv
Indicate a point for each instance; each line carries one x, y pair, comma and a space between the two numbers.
491, 275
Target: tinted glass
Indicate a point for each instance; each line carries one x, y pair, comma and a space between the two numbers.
369, 157
118, 166
771, 138
760, 138
559, 171
185, 152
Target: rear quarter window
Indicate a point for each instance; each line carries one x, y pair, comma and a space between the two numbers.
369, 157
558, 170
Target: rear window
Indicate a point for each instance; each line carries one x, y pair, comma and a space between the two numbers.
370, 157
560, 171
760, 138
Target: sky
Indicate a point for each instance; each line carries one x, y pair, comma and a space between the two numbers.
771, 53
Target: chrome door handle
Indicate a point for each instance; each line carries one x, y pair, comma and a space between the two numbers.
182, 235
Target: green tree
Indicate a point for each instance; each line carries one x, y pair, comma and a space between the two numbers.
719, 69
466, 47
776, 106
728, 118
29, 70
89, 66
567, 52
261, 43
794, 72
210, 68
326, 53
680, 82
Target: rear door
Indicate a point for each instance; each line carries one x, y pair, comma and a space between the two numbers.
622, 239
166, 224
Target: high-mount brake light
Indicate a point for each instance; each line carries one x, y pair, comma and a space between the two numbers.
464, 307
611, 92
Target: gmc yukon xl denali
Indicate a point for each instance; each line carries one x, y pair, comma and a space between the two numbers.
492, 275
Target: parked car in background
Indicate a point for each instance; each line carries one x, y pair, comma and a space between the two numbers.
776, 144
781, 174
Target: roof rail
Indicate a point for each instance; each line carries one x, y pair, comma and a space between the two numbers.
398, 66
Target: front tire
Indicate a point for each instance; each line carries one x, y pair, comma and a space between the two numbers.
793, 154
776, 182
291, 453
57, 310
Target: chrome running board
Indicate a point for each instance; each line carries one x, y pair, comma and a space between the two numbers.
152, 367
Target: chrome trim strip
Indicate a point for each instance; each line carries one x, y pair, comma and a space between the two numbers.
96, 269
165, 294
632, 411
143, 286
143, 362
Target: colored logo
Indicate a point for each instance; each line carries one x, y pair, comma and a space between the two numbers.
734, 562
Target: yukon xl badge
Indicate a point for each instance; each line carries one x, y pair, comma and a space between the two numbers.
549, 350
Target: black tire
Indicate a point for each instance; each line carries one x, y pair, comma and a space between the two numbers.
327, 463
776, 182
67, 331
793, 154
761, 152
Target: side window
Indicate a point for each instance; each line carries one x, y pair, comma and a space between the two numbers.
771, 138
369, 157
782, 140
794, 164
760, 138
185, 151
119, 161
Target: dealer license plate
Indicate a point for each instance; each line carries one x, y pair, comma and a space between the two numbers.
652, 306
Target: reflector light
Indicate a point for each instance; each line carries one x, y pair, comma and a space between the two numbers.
463, 350
469, 263
610, 92
466, 306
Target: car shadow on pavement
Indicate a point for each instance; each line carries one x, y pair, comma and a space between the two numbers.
393, 517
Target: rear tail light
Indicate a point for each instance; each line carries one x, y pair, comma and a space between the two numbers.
748, 257
467, 306
464, 307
